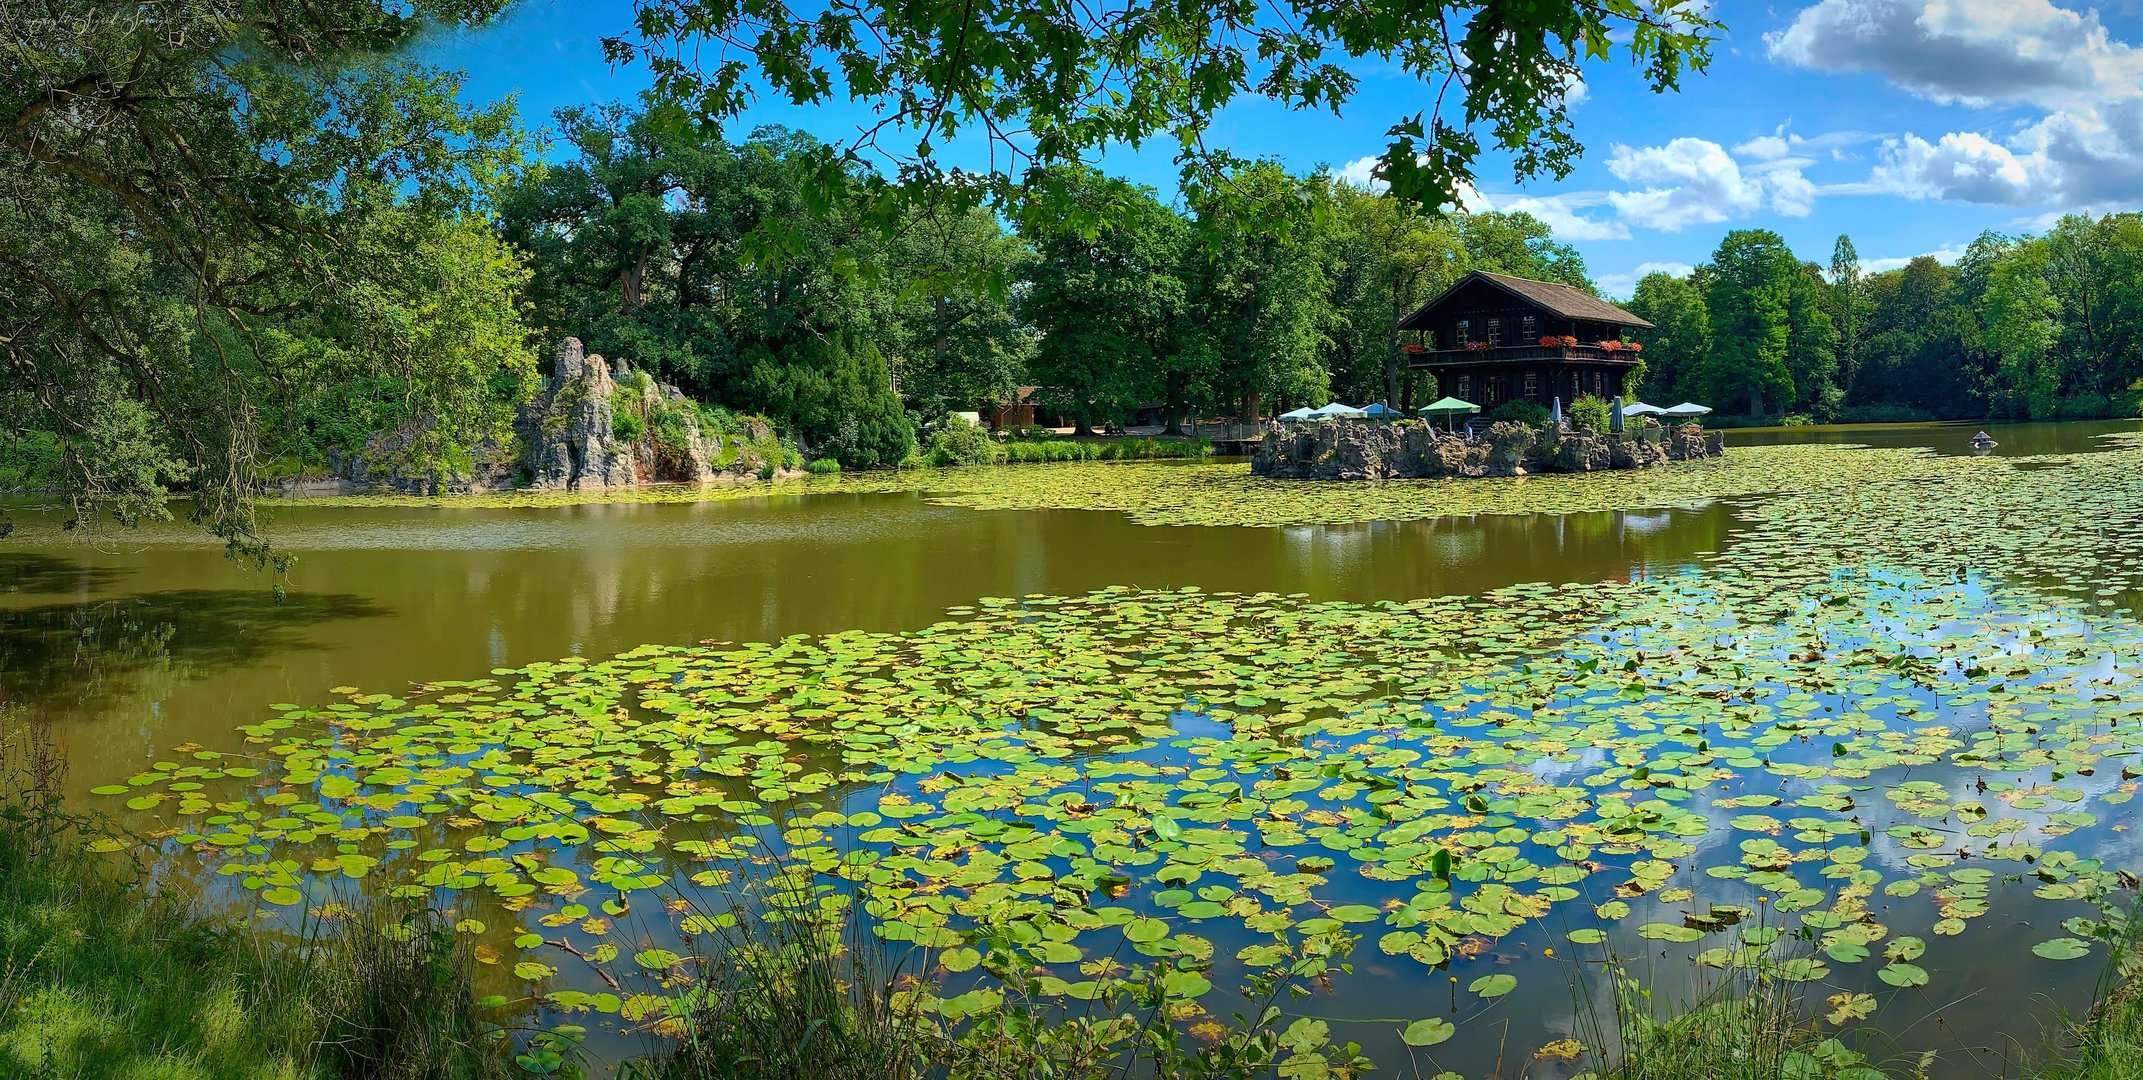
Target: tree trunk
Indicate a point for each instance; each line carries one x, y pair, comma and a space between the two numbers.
1176, 415
1250, 407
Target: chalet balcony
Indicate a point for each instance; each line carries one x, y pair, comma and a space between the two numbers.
1531, 354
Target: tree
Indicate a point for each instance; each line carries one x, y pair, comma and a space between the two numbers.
1104, 295
956, 342
1385, 258
1679, 344
1810, 344
2022, 321
1749, 303
1521, 245
188, 180
1256, 286
1846, 298
650, 244
1051, 83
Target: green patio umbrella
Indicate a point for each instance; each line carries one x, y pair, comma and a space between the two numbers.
1450, 408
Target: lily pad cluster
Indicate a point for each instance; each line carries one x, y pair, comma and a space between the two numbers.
1823, 752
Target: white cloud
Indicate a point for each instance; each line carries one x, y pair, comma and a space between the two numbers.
1562, 214
1782, 143
1972, 52
1361, 172
2080, 159
1945, 255
1574, 91
1622, 285
1686, 182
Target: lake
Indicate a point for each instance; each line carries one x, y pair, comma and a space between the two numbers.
1822, 668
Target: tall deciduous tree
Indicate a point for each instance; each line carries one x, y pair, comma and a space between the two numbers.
1386, 258
1676, 349
1848, 295
649, 244
1749, 303
1105, 293
187, 179
1522, 245
1257, 285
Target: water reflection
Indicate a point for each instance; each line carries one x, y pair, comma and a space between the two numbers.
171, 643
2020, 439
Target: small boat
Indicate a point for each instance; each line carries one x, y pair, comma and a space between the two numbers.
1983, 441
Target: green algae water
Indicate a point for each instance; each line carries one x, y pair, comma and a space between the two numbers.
1857, 713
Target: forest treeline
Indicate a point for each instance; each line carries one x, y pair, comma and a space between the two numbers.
651, 241
2020, 327
245, 239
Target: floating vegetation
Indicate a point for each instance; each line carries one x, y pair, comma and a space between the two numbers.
1826, 755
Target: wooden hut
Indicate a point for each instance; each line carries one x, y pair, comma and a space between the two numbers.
1491, 338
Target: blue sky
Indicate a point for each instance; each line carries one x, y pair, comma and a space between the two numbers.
1911, 125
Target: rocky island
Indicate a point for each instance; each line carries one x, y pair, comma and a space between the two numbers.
1343, 449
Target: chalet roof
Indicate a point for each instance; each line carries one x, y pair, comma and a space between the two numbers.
1561, 300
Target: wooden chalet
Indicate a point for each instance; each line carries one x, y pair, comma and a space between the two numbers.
1490, 338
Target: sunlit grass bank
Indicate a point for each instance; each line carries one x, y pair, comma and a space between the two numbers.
103, 979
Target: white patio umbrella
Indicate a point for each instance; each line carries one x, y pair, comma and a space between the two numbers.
1334, 408
1297, 415
1639, 408
1688, 410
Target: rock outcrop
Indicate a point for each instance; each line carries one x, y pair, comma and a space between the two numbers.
599, 425
1362, 450
596, 429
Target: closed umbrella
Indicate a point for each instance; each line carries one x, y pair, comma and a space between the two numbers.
1555, 413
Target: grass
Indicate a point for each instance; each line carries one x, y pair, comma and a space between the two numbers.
2109, 1045
1020, 451
785, 991
1742, 1027
102, 978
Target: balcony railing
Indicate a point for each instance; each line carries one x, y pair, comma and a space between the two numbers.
1536, 353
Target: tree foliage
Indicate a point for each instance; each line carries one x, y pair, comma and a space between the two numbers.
1050, 83
191, 185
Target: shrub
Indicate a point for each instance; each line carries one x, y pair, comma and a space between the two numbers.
1796, 420
837, 400
1519, 411
1589, 413
822, 466
625, 425
1883, 414
2084, 407
960, 442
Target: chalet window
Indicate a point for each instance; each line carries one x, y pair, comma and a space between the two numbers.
1526, 329
1465, 387
1577, 385
1495, 332
1532, 385
1595, 382
1465, 332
